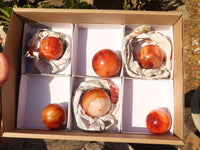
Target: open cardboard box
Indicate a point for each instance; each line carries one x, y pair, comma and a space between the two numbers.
86, 23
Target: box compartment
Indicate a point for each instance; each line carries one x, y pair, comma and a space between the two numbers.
89, 39
36, 92
77, 80
13, 48
167, 32
142, 96
30, 30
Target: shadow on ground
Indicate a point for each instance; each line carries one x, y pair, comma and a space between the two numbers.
154, 5
108, 4
164, 5
24, 144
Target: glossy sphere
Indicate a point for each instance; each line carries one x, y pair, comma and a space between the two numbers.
96, 103
54, 116
51, 48
150, 57
5, 69
106, 63
158, 121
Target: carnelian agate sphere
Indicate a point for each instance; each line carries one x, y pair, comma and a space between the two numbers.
96, 103
51, 48
150, 57
106, 63
54, 116
158, 121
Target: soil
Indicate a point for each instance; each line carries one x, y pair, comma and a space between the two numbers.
191, 49
191, 60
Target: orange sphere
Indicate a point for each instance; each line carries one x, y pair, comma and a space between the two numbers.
106, 63
158, 121
96, 103
150, 57
51, 48
54, 116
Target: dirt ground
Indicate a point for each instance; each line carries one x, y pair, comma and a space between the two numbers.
191, 51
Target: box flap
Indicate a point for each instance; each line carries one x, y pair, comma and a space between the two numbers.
92, 15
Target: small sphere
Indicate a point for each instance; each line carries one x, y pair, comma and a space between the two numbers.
150, 57
54, 116
96, 103
106, 63
158, 121
51, 48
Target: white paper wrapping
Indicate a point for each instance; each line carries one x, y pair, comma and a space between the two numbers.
139, 38
106, 122
43, 65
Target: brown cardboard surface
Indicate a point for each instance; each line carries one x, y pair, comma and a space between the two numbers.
91, 16
13, 50
88, 136
178, 80
9, 91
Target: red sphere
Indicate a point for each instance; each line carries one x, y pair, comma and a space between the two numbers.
96, 103
158, 121
106, 63
54, 116
51, 48
150, 57
5, 69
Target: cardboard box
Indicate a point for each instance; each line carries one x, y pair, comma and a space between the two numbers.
98, 22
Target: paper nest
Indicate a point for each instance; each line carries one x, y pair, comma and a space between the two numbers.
43, 65
88, 123
133, 42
